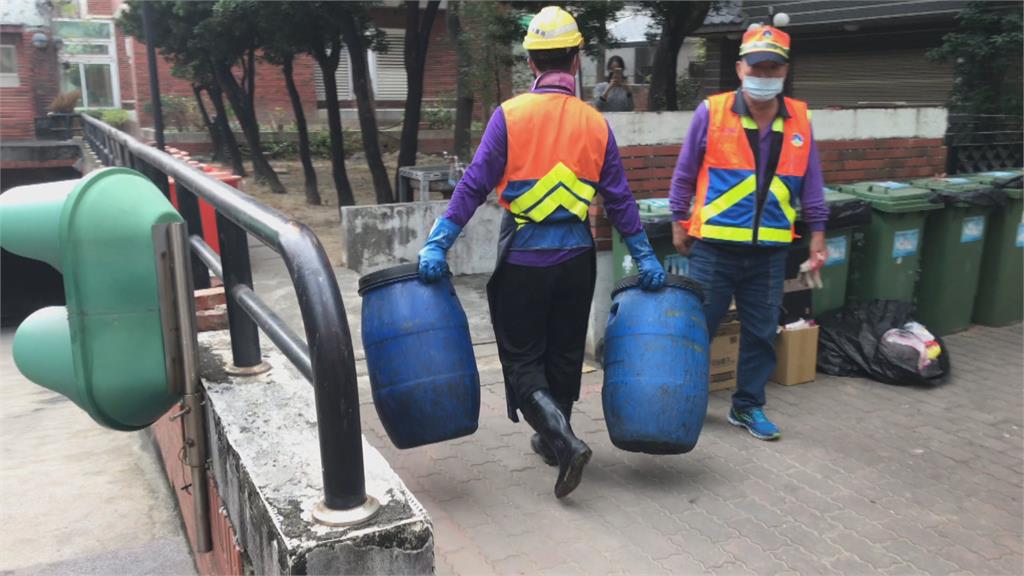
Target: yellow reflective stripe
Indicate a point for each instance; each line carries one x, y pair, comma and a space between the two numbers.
782, 194
732, 233
748, 123
784, 236
725, 201
777, 124
540, 201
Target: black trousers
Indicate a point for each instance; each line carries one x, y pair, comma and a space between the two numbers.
540, 318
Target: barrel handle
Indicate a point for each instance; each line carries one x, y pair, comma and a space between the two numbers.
613, 312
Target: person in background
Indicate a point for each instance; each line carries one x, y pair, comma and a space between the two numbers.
613, 95
547, 153
748, 159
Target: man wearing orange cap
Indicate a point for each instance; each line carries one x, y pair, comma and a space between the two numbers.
749, 160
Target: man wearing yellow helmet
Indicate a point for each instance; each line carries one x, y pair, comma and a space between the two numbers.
547, 153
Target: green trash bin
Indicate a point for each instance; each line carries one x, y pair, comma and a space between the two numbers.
951, 256
656, 218
887, 266
848, 215
1000, 299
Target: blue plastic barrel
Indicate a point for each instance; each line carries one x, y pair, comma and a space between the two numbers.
423, 373
656, 367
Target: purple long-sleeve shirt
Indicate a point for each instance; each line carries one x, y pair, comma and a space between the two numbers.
691, 157
488, 167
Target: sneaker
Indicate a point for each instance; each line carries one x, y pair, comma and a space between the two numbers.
754, 420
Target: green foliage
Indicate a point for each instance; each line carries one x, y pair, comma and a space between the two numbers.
986, 52
116, 117
180, 112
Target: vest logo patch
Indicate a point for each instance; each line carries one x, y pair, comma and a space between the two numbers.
797, 140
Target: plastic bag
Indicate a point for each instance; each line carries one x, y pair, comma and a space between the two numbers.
853, 343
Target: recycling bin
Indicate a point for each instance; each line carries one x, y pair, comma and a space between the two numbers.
887, 266
1000, 299
848, 216
951, 257
656, 218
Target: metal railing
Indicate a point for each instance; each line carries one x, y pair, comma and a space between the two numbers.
327, 361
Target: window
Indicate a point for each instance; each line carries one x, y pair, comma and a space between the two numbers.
387, 72
8, 67
89, 62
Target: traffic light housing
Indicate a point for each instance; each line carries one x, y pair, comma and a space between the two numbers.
105, 350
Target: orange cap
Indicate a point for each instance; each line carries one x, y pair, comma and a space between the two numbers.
765, 43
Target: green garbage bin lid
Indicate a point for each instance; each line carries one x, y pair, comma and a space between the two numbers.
654, 206
893, 197
952, 187
1009, 180
833, 197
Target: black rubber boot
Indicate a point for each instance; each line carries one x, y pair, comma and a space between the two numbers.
541, 447
546, 417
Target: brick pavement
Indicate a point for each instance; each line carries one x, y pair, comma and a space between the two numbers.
868, 478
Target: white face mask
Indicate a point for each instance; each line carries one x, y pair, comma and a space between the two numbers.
762, 89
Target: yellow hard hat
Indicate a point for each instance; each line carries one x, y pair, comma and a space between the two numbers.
552, 28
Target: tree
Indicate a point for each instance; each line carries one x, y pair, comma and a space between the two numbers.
284, 32
323, 33
173, 28
359, 35
464, 100
986, 54
232, 35
673, 22
417, 41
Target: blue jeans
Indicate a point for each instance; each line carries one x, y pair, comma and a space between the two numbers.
755, 278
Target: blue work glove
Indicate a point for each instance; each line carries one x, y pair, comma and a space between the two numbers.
652, 275
432, 262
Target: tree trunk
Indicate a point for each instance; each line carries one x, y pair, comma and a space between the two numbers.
417, 40
221, 121
328, 62
663, 80
367, 115
216, 138
312, 194
250, 127
463, 91
679, 20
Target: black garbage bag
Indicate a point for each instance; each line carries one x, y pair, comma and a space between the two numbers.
866, 340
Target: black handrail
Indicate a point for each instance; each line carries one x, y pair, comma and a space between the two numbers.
328, 361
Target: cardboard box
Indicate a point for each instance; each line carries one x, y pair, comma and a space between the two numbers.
725, 355
797, 355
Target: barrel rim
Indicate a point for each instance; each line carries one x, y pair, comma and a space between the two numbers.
390, 275
671, 281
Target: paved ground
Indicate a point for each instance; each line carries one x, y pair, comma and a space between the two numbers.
76, 498
868, 478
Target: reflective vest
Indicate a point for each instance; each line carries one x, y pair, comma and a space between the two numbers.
727, 207
556, 149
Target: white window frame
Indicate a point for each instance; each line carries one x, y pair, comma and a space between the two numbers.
109, 59
10, 79
374, 64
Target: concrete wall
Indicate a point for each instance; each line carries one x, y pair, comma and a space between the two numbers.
265, 467
375, 237
23, 12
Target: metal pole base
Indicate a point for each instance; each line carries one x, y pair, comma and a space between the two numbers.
328, 517
247, 370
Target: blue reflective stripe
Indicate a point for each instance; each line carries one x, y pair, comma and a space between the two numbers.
721, 180
796, 187
549, 235
740, 214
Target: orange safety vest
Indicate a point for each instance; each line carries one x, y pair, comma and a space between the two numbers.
726, 205
556, 149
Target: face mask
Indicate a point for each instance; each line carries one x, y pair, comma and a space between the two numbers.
762, 89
